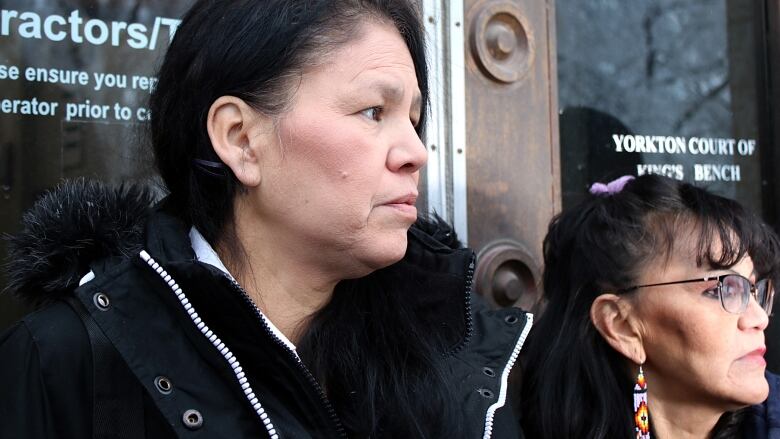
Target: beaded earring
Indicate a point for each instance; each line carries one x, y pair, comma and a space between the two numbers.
641, 414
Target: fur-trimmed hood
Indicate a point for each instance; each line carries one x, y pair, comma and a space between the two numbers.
70, 226
82, 221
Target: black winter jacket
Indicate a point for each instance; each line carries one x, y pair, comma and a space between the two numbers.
184, 352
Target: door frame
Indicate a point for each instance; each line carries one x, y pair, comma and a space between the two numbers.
768, 38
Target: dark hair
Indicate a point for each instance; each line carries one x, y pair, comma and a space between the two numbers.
256, 51
574, 383
383, 369
381, 378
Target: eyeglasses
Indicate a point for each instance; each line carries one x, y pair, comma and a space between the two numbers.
734, 291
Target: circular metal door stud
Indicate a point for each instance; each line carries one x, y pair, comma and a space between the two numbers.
501, 42
506, 275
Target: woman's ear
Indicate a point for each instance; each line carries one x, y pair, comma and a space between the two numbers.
614, 319
231, 127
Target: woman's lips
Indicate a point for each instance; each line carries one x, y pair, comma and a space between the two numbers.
407, 209
755, 356
405, 205
410, 199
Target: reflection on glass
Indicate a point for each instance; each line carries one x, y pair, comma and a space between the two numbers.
75, 76
666, 87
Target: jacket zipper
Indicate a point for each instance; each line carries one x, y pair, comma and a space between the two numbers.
296, 359
216, 342
338, 426
491, 411
467, 306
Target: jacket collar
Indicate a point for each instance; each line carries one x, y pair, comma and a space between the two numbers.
433, 279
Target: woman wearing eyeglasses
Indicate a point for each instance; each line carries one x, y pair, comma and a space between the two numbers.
658, 294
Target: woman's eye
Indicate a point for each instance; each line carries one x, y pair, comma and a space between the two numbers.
373, 113
711, 292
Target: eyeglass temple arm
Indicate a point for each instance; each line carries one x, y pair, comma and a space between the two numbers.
704, 279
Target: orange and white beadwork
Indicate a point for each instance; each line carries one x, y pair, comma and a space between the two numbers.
641, 414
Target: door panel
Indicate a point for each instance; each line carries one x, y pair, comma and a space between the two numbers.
512, 143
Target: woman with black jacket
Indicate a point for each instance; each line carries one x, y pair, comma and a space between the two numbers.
282, 288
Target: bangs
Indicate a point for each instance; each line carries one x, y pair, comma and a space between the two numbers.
717, 231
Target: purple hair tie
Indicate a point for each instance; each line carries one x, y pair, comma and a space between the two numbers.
612, 187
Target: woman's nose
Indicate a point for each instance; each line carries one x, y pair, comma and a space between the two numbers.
407, 153
754, 316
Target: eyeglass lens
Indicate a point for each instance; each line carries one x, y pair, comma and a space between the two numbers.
735, 294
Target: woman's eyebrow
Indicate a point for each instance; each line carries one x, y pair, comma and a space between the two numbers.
390, 91
713, 272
